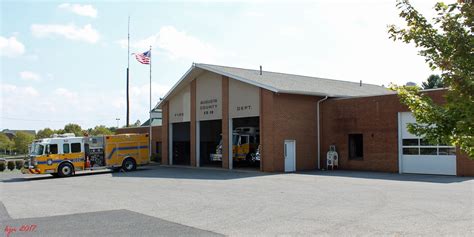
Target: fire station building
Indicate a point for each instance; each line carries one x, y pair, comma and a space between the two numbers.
275, 122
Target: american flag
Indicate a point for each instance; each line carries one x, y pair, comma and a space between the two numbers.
143, 58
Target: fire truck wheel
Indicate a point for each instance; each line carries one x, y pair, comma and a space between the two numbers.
65, 170
129, 164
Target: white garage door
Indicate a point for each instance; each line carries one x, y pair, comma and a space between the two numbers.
418, 156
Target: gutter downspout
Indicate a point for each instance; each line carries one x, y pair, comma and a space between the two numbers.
319, 132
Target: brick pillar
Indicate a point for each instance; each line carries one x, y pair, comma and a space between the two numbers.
267, 131
164, 133
193, 123
225, 122
464, 165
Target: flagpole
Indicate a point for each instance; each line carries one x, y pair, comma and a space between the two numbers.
128, 72
150, 137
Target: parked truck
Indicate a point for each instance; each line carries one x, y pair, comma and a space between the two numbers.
63, 155
244, 145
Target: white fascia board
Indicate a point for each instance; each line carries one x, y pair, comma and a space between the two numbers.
434, 89
270, 88
175, 86
309, 93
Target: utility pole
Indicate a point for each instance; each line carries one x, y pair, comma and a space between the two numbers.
151, 134
128, 72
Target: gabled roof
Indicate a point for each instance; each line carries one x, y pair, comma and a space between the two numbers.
284, 83
154, 122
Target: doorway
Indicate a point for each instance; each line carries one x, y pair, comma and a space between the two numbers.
289, 151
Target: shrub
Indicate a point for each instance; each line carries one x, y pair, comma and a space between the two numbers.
2, 166
11, 165
19, 164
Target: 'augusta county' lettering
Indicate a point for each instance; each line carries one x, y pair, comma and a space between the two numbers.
208, 107
209, 101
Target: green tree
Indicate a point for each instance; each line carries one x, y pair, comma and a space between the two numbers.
22, 140
100, 130
44, 133
447, 44
5, 143
113, 129
433, 82
73, 128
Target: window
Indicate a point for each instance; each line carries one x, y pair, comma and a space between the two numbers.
235, 140
356, 146
428, 151
447, 151
245, 140
65, 148
411, 142
53, 148
411, 151
75, 147
421, 146
38, 150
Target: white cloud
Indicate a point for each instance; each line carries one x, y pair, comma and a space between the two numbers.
70, 31
65, 93
13, 90
55, 107
292, 31
253, 14
11, 47
82, 10
31, 91
30, 76
176, 45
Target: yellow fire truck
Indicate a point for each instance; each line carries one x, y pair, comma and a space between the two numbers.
65, 154
244, 145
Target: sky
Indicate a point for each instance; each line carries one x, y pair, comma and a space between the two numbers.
65, 62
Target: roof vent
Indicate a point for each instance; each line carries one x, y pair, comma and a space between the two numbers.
360, 83
260, 69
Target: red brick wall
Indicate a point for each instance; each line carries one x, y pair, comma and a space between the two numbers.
464, 166
193, 123
164, 134
266, 130
225, 122
377, 119
288, 117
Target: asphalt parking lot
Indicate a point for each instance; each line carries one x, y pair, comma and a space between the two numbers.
189, 201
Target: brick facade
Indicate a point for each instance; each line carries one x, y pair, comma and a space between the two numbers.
266, 131
193, 124
165, 133
294, 117
225, 122
288, 117
376, 118
464, 166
